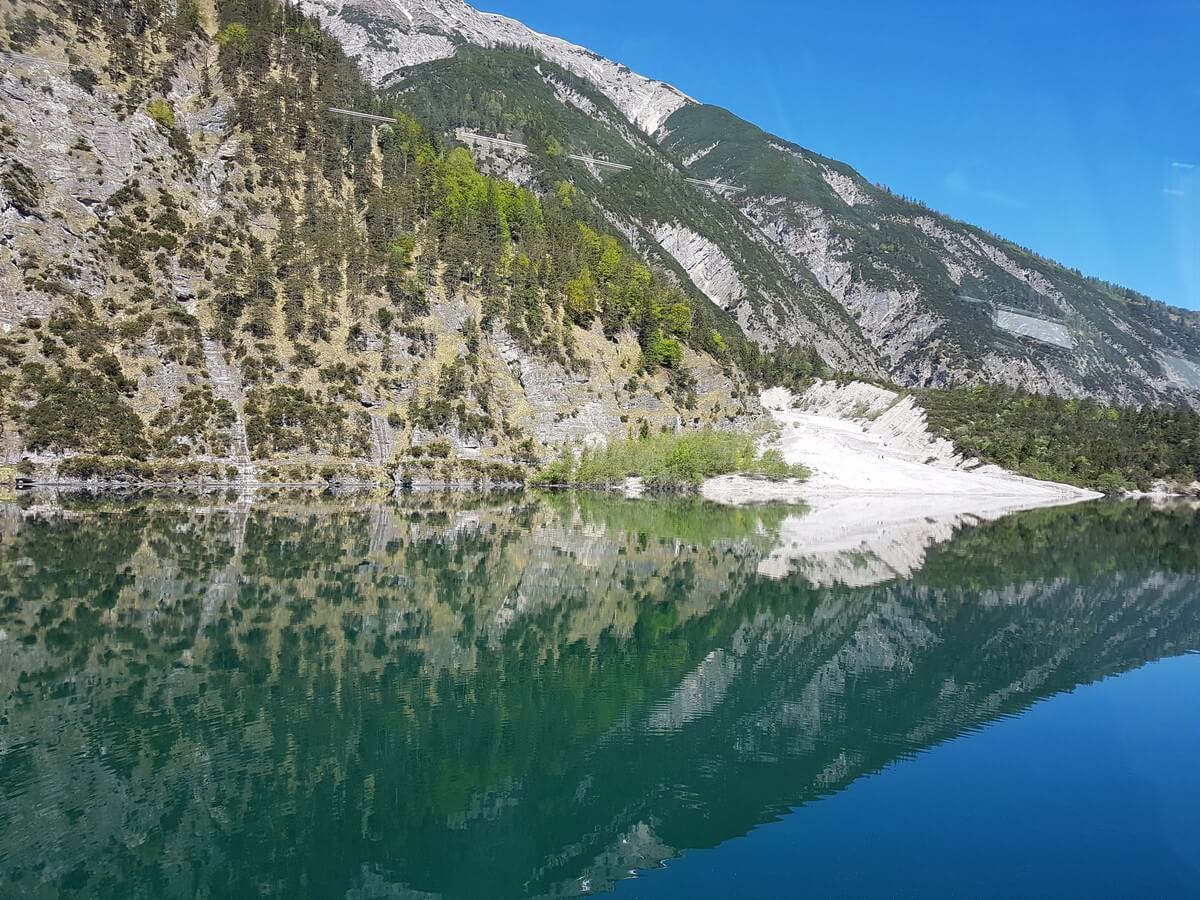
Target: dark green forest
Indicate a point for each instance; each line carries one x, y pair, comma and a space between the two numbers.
1079, 442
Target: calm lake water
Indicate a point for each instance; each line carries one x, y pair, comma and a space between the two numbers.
553, 696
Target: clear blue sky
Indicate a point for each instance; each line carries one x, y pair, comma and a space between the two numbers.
1069, 127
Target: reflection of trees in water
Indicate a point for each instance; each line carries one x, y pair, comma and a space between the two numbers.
502, 698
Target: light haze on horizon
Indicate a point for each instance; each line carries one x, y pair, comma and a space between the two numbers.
1068, 128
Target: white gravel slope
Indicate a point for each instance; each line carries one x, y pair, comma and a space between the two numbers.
862, 440
883, 489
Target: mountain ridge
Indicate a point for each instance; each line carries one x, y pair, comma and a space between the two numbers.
939, 301
434, 29
206, 273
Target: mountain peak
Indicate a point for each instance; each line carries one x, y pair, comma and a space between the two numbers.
389, 36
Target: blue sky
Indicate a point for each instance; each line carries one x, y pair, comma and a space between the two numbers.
1069, 127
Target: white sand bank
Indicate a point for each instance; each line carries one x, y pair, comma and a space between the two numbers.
862, 440
883, 489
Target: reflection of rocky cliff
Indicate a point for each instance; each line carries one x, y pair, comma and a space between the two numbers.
525, 697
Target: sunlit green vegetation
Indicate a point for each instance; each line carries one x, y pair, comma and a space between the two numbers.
669, 460
161, 112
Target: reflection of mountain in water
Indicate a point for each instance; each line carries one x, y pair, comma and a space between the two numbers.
526, 697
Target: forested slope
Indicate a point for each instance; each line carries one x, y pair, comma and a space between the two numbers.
202, 265
1074, 441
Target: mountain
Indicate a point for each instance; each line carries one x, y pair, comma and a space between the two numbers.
390, 36
206, 271
805, 249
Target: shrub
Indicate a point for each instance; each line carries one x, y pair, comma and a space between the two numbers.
24, 31
22, 187
662, 351
161, 112
669, 460
85, 468
85, 78
561, 471
81, 410
284, 419
234, 36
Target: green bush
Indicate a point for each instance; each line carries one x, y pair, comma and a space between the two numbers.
668, 460
234, 36
161, 112
85, 78
286, 419
77, 409
88, 467
108, 468
662, 352
561, 471
22, 186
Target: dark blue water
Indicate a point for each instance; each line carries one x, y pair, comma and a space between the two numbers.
1093, 793
549, 696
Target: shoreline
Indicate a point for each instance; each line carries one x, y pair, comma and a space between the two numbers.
883, 489
868, 443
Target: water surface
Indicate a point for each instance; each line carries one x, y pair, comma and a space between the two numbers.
546, 696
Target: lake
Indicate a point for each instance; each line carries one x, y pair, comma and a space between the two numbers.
556, 695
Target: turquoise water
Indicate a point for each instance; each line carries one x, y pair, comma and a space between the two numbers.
553, 696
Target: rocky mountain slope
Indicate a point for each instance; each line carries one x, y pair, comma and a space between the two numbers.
389, 36
682, 226
807, 250
201, 269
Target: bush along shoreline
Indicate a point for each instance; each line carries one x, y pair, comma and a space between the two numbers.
667, 463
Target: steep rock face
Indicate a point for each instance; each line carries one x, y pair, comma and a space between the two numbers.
936, 297
165, 247
706, 265
590, 406
109, 181
387, 36
82, 149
